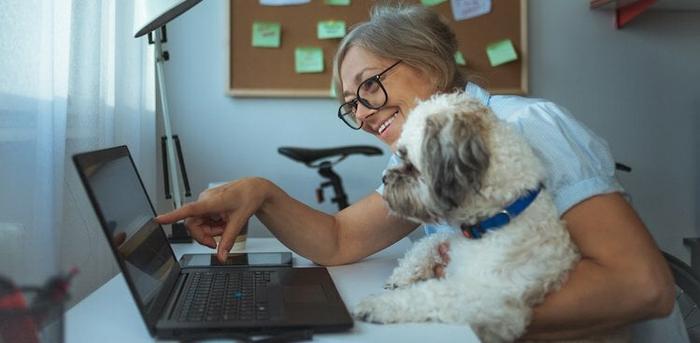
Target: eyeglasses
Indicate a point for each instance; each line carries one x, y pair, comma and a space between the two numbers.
370, 93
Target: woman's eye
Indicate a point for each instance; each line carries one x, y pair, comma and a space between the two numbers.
369, 86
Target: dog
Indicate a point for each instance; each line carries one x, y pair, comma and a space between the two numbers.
460, 165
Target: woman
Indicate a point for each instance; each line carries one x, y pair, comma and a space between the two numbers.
382, 68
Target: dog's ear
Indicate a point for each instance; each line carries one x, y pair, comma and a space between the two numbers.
456, 157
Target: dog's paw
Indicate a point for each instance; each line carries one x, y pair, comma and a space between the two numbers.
404, 277
390, 286
399, 280
375, 309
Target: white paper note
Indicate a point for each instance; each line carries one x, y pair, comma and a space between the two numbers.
465, 9
283, 2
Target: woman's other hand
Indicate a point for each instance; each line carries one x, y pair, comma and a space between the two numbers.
443, 250
220, 211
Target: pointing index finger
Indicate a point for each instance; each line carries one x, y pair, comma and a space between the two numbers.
186, 211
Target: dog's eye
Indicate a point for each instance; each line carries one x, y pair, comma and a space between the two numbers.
410, 168
402, 153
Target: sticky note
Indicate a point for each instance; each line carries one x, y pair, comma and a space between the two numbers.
459, 58
331, 29
308, 60
501, 52
466, 9
431, 2
338, 2
283, 2
266, 34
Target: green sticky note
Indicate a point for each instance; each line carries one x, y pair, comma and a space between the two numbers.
308, 60
338, 2
331, 29
431, 2
501, 52
266, 34
459, 58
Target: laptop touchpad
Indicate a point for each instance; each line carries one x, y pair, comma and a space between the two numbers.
304, 294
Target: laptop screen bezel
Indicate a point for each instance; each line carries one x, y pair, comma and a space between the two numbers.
152, 315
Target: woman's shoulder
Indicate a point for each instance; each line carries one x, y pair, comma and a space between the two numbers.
517, 108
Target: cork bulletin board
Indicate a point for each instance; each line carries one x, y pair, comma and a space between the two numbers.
270, 72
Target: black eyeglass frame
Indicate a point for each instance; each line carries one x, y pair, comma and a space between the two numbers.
353, 102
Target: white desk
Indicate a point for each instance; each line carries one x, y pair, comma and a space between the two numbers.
110, 315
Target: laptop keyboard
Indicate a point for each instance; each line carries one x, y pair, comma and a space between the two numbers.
224, 296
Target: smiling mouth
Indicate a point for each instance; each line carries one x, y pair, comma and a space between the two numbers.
387, 123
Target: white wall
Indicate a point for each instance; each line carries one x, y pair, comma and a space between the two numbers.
636, 87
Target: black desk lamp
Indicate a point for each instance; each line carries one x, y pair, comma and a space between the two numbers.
150, 17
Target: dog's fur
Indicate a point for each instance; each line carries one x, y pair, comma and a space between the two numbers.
460, 165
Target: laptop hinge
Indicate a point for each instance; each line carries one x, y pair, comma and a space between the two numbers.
166, 304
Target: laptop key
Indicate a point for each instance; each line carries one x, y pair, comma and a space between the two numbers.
226, 296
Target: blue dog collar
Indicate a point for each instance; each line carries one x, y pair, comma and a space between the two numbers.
501, 218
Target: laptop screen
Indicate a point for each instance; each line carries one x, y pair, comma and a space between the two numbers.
127, 218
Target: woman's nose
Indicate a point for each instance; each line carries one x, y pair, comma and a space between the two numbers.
362, 112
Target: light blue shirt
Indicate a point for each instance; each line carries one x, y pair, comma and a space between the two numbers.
579, 164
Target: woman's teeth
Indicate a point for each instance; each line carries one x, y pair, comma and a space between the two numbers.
386, 123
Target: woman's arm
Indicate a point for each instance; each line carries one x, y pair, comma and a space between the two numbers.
352, 234
621, 278
358, 231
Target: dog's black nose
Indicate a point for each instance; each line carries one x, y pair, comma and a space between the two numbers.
384, 179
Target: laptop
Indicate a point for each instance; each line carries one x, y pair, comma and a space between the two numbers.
190, 303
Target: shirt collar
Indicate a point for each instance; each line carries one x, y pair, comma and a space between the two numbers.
477, 92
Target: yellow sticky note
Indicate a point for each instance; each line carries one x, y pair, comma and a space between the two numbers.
459, 58
266, 34
330, 29
501, 52
308, 60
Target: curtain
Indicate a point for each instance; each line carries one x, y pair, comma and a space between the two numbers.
72, 79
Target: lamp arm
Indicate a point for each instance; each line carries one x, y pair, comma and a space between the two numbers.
172, 165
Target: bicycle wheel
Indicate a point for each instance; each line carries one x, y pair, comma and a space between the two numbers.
687, 295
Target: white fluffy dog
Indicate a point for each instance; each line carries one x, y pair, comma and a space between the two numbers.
461, 166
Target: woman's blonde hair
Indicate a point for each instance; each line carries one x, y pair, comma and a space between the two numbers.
412, 33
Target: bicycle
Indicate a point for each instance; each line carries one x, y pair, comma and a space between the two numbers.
324, 160
687, 281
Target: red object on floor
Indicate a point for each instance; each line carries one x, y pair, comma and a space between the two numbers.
625, 14
16, 328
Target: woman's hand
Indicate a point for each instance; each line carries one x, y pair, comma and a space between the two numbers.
220, 211
443, 250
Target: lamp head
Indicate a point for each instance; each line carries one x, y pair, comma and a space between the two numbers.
152, 14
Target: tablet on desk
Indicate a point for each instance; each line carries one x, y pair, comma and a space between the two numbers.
252, 259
